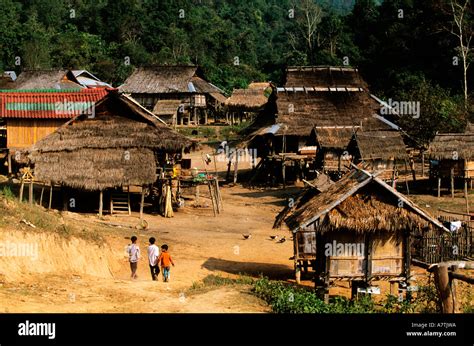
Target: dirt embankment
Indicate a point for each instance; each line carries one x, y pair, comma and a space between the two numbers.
23, 254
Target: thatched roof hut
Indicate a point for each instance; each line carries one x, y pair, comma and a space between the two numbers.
252, 99
379, 145
449, 146
167, 79
47, 79
113, 147
370, 221
324, 77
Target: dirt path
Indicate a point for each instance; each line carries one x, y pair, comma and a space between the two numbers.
200, 244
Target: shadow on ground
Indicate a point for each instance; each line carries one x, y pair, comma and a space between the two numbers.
255, 269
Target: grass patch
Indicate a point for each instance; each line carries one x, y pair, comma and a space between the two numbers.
212, 282
285, 298
13, 212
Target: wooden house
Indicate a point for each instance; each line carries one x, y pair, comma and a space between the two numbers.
314, 118
452, 157
357, 230
193, 98
121, 146
249, 101
32, 115
379, 151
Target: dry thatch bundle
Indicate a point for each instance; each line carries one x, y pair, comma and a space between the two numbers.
336, 138
46, 79
384, 145
360, 203
114, 148
299, 112
452, 146
253, 98
323, 77
167, 79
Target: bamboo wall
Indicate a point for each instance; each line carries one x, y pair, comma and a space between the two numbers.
23, 133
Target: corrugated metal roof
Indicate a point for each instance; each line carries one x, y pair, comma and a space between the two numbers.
48, 105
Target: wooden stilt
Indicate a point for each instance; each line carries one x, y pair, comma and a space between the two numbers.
41, 195
30, 194
10, 171
101, 203
236, 167
452, 182
466, 196
283, 172
406, 179
439, 187
22, 187
50, 195
142, 202
423, 164
443, 284
212, 198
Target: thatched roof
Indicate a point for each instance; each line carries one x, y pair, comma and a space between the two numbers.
360, 202
335, 138
383, 145
167, 79
299, 112
166, 107
447, 146
318, 185
253, 98
47, 79
323, 77
113, 148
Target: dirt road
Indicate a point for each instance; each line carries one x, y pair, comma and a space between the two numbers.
200, 244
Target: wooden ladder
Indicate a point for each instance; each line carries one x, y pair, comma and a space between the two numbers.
120, 203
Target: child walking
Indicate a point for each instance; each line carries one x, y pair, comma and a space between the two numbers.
153, 254
133, 256
165, 261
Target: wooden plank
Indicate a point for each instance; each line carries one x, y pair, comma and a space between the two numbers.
50, 195
142, 202
101, 202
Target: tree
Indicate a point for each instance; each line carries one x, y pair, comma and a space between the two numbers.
309, 16
462, 28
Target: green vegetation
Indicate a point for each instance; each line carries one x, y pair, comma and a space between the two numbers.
402, 47
285, 298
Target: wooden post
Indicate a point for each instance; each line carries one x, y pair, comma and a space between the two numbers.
452, 182
101, 203
443, 284
205, 117
394, 184
22, 186
41, 195
439, 186
283, 172
466, 196
213, 201
50, 195
10, 171
142, 201
407, 263
236, 167
422, 164
406, 179
30, 194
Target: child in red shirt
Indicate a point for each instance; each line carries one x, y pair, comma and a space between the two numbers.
165, 262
